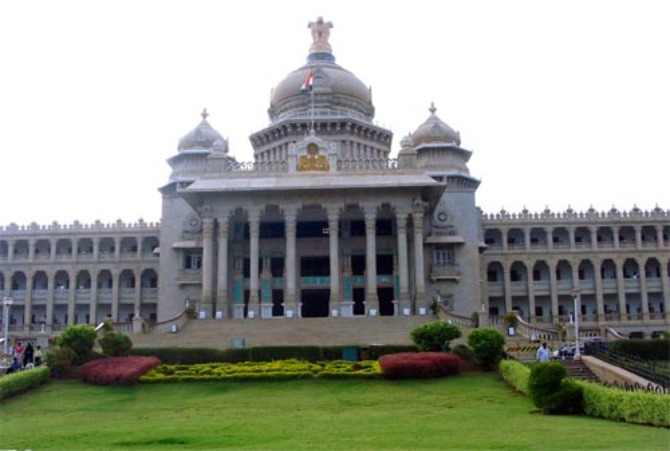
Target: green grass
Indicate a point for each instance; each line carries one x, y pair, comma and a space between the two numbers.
463, 412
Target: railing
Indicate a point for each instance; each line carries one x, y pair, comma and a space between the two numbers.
658, 373
535, 333
611, 333
462, 321
168, 325
383, 164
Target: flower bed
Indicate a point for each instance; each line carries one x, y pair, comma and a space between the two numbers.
275, 370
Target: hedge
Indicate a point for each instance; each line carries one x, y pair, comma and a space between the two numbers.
408, 365
516, 374
16, 383
645, 349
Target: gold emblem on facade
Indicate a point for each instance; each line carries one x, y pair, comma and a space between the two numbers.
313, 161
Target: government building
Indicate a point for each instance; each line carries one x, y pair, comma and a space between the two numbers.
327, 222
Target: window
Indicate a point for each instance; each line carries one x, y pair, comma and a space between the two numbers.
443, 257
192, 261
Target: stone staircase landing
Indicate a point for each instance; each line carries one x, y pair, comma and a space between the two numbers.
219, 334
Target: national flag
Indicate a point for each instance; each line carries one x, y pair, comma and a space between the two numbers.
308, 84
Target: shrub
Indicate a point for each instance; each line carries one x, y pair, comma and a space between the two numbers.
413, 365
464, 352
434, 336
16, 383
487, 344
646, 349
80, 338
115, 344
59, 359
551, 392
516, 374
632, 407
117, 370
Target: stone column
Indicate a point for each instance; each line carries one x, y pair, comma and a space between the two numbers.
71, 297
137, 310
222, 269
49, 317
555, 318
334, 252
659, 238
93, 305
531, 293
290, 300
615, 236
10, 251
644, 292
403, 268
638, 237
28, 307
115, 296
207, 265
371, 300
621, 289
508, 287
117, 251
254, 255
420, 279
600, 301
594, 237
550, 237
31, 251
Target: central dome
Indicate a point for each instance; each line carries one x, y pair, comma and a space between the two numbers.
336, 91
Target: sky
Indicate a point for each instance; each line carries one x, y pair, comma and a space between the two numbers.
563, 103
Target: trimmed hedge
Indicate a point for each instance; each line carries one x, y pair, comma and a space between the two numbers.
645, 349
421, 365
266, 353
632, 407
21, 381
516, 374
257, 371
117, 370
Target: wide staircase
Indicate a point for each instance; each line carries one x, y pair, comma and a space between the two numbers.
578, 370
221, 334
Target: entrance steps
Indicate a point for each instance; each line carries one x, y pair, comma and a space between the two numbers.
578, 370
219, 334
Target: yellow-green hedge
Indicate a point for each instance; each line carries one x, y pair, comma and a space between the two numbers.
15, 383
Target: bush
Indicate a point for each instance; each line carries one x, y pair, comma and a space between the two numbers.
551, 392
487, 344
80, 338
658, 349
464, 351
59, 359
421, 365
117, 370
516, 374
19, 382
632, 407
115, 344
434, 336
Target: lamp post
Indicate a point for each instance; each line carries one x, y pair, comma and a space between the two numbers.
576, 315
6, 303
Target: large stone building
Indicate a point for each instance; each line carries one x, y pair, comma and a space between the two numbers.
325, 222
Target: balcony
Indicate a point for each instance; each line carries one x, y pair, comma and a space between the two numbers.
445, 272
189, 276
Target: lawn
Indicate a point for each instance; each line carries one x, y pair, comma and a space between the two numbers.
476, 411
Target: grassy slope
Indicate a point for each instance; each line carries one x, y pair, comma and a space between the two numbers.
465, 412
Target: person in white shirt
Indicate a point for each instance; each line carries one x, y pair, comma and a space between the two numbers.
543, 353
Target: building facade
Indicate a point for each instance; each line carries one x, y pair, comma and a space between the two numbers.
324, 222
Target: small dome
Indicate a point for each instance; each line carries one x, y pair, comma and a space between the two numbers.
435, 131
203, 137
407, 142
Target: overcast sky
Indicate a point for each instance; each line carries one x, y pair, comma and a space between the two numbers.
563, 103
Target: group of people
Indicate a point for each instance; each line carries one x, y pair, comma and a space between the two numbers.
25, 357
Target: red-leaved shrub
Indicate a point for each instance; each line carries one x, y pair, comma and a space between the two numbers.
117, 370
419, 365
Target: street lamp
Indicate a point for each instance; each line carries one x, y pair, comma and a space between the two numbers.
576, 315
6, 303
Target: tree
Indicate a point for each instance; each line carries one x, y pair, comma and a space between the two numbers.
488, 347
434, 336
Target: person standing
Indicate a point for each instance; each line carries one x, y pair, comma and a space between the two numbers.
39, 356
18, 353
28, 355
542, 353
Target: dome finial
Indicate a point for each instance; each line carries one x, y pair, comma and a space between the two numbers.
320, 35
204, 114
432, 108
